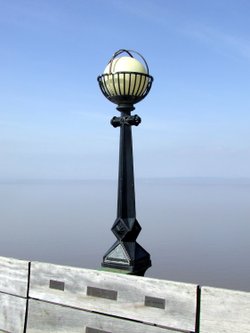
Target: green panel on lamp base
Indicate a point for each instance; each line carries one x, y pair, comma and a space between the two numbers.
115, 270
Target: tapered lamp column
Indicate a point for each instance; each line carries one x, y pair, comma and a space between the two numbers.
126, 81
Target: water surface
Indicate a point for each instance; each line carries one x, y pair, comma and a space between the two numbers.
196, 230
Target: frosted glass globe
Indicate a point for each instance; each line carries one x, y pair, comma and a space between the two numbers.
125, 64
118, 83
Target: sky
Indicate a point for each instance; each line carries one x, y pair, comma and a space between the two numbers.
55, 123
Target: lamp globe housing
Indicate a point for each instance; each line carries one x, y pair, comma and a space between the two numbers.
125, 64
125, 80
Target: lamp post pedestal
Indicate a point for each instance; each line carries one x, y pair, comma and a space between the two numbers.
126, 254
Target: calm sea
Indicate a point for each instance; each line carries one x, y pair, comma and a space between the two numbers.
196, 230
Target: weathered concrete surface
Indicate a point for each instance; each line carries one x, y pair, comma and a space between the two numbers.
157, 302
14, 277
38, 297
224, 311
46, 317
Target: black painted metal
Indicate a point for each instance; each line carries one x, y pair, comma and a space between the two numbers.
130, 53
127, 253
125, 89
137, 92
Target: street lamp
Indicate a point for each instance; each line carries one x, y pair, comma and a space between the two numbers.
126, 81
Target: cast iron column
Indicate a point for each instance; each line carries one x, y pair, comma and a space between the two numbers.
126, 254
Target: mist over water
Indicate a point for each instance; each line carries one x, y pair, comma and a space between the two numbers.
196, 230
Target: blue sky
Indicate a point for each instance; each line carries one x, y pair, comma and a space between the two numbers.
54, 121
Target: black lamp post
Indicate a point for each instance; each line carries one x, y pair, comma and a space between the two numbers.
126, 81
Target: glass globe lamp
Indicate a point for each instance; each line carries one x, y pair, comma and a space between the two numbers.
125, 80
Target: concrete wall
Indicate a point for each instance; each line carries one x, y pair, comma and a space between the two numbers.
38, 297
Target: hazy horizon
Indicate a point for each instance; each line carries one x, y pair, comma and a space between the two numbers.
196, 230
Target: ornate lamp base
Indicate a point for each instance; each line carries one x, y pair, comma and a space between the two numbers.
127, 257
